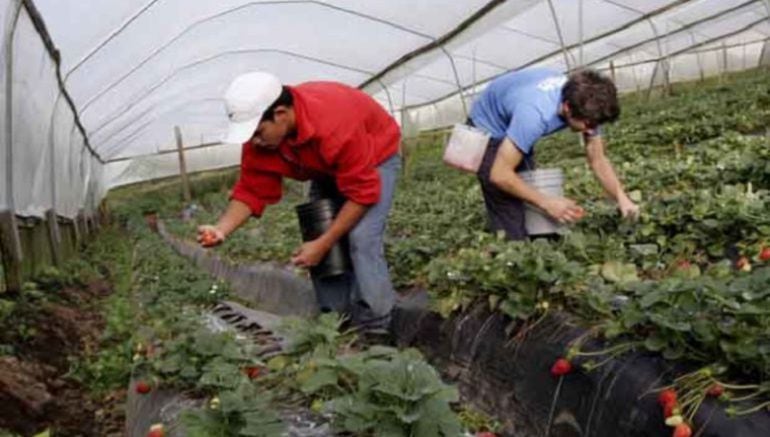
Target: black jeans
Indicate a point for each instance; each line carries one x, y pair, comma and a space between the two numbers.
504, 211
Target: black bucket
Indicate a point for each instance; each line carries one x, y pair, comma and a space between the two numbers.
314, 219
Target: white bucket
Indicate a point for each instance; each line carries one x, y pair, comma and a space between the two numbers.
549, 182
465, 148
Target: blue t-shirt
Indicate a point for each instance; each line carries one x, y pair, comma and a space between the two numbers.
521, 105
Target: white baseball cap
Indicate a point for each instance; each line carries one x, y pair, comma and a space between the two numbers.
246, 99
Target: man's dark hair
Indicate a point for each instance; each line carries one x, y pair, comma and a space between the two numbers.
591, 97
285, 99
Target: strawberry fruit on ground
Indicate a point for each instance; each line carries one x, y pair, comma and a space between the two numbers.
561, 367
143, 387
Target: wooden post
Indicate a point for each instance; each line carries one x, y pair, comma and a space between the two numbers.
78, 232
10, 246
612, 71
724, 62
54, 236
182, 166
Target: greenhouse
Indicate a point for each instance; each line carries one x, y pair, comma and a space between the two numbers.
385, 218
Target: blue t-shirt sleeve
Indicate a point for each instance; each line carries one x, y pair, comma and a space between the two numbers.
526, 127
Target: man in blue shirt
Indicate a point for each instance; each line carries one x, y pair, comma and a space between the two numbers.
519, 108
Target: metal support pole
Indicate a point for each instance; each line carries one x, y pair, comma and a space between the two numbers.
457, 80
724, 60
54, 232
10, 243
182, 166
387, 94
698, 59
559, 34
580, 33
662, 59
612, 70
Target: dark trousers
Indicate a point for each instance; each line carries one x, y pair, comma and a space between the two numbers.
365, 293
504, 211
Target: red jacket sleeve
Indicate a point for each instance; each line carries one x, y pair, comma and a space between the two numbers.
356, 171
255, 187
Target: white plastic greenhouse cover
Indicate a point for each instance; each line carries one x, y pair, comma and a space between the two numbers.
92, 89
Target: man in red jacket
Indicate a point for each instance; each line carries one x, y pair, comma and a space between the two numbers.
347, 145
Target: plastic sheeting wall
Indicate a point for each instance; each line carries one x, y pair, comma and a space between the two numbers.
50, 165
159, 166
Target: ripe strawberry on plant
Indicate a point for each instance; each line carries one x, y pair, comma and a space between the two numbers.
682, 430
683, 264
485, 434
561, 367
253, 372
143, 388
764, 254
157, 430
743, 264
667, 397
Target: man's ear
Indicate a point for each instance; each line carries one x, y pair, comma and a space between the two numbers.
280, 111
565, 109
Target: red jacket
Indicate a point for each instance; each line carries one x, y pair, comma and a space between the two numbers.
341, 132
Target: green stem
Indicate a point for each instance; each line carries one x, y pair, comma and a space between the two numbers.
753, 409
747, 397
620, 347
740, 387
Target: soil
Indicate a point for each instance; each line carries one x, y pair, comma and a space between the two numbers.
36, 392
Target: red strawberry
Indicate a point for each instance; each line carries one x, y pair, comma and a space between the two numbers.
561, 367
485, 434
682, 430
764, 254
667, 397
253, 372
716, 390
143, 388
743, 264
683, 264
156, 431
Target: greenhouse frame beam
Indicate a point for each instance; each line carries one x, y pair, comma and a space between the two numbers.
556, 24
620, 28
197, 23
164, 152
53, 52
149, 111
437, 43
128, 105
691, 51
701, 43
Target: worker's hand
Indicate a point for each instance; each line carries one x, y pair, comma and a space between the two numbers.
310, 253
628, 209
563, 210
209, 236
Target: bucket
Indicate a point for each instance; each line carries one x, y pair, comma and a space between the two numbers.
465, 148
549, 182
314, 219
